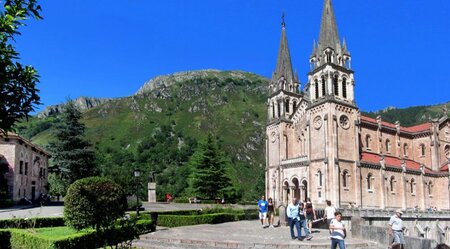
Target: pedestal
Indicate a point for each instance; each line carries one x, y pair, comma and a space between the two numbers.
282, 216
152, 192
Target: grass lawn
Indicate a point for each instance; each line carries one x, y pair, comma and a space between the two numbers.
57, 233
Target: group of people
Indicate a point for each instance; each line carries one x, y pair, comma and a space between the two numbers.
266, 211
301, 215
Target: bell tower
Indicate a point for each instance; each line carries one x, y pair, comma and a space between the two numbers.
284, 99
333, 114
330, 75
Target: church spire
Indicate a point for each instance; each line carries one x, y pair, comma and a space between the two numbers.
328, 36
284, 66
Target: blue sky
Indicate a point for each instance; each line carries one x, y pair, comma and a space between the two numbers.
400, 49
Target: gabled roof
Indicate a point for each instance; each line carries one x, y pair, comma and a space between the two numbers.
391, 161
411, 129
11, 135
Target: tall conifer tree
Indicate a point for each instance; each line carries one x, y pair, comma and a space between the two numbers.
72, 155
209, 178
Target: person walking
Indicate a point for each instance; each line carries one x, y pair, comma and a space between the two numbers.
310, 214
270, 212
303, 223
262, 205
292, 214
338, 231
396, 229
329, 212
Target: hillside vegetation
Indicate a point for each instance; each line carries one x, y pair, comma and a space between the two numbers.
158, 128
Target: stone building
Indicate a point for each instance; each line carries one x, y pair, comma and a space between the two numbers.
26, 167
318, 145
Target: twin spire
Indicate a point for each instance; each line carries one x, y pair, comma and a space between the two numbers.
328, 39
284, 64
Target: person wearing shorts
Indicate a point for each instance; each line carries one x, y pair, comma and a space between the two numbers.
396, 229
262, 205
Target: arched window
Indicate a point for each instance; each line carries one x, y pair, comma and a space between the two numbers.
430, 186
328, 57
412, 186
368, 141
287, 105
422, 149
279, 109
369, 181
344, 88
294, 106
273, 110
388, 145
317, 88
344, 178
320, 176
447, 151
405, 149
391, 183
336, 86
324, 87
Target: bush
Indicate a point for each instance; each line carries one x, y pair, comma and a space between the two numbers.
86, 239
32, 223
207, 216
93, 202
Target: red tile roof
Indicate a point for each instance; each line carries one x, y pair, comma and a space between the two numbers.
391, 161
416, 128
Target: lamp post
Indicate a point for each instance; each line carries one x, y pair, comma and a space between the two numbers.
137, 174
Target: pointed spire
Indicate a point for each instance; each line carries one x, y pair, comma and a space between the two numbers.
284, 65
328, 29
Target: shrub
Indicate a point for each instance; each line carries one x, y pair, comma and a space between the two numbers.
63, 238
32, 223
93, 202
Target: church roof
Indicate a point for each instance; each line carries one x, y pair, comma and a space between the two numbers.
411, 129
11, 135
391, 161
284, 64
328, 36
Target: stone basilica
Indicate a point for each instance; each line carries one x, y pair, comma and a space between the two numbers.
318, 145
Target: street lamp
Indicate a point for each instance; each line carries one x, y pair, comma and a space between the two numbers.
137, 174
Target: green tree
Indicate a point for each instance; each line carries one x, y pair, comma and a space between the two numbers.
94, 202
18, 92
209, 177
72, 155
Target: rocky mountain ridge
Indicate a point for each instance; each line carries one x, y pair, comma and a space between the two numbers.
83, 103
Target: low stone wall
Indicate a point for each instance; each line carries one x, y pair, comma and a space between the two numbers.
381, 236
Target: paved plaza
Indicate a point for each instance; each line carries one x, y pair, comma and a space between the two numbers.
240, 234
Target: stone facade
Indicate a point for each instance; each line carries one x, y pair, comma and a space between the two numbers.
27, 167
318, 145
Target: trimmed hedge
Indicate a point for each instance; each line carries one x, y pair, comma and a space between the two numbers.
22, 238
32, 222
188, 220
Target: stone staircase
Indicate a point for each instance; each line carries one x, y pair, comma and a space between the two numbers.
241, 234
157, 243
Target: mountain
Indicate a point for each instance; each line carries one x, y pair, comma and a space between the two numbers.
83, 103
412, 115
229, 104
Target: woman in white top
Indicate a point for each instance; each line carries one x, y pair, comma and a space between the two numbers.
338, 232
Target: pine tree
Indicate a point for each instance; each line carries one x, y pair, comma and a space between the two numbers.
209, 178
72, 155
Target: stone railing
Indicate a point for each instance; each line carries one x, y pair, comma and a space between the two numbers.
301, 160
380, 235
384, 213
